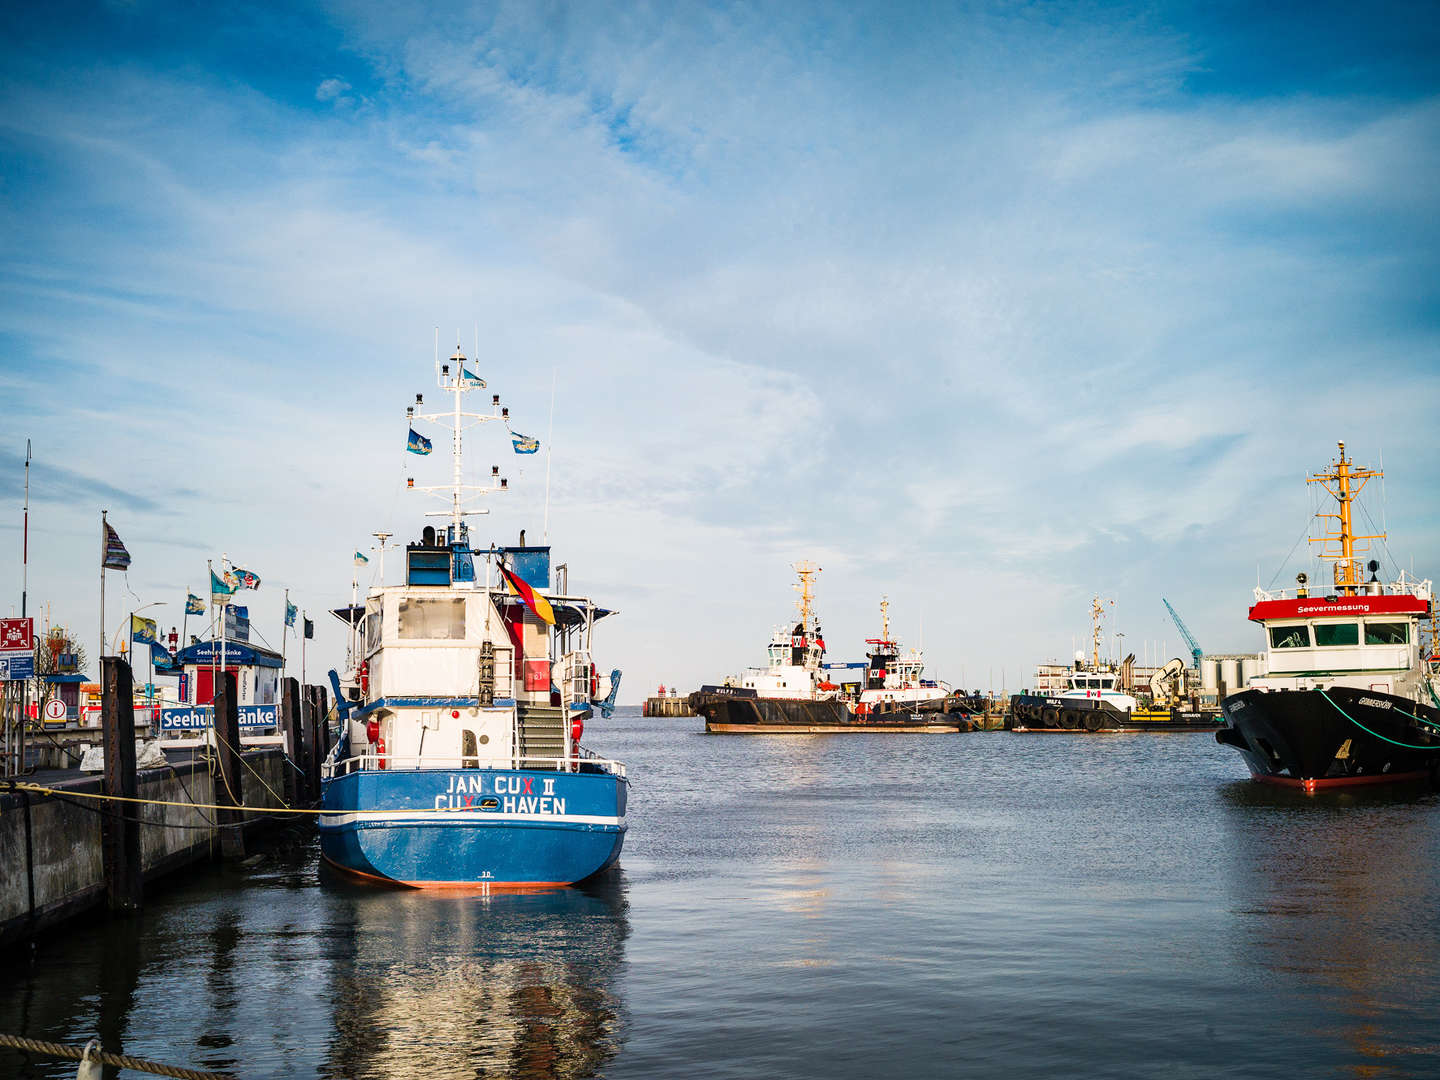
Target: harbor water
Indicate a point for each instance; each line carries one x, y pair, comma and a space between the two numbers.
860, 905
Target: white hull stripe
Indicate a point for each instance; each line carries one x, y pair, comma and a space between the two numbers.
456, 817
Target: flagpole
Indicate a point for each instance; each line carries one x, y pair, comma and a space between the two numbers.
284, 631
103, 523
25, 542
303, 617
549, 444
184, 620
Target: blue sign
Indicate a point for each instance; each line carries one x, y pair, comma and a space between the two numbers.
18, 665
200, 717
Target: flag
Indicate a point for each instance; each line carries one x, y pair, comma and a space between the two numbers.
533, 600
220, 589
469, 378
310, 628
164, 660
290, 613
360, 560
116, 557
243, 579
194, 605
417, 443
142, 630
524, 444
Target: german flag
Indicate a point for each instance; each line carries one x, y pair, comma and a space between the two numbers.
533, 600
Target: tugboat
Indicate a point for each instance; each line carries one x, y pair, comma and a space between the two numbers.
1347, 697
895, 682
1092, 701
794, 694
459, 760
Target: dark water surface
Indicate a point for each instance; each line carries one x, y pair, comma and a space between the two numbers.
818, 906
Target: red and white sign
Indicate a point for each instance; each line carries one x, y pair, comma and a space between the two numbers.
55, 709
17, 634
1318, 607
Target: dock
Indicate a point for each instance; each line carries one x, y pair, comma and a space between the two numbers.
72, 842
670, 704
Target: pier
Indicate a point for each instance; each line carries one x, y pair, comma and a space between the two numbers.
73, 841
667, 703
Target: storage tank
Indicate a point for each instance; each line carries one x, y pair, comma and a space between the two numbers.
1249, 669
1209, 674
1230, 675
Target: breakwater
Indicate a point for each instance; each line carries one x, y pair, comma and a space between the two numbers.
667, 705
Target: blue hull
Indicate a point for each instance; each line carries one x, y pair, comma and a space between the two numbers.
474, 827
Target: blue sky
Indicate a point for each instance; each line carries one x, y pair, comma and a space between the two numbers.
986, 307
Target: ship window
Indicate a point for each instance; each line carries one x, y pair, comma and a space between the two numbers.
432, 620
1329, 633
1387, 633
1289, 637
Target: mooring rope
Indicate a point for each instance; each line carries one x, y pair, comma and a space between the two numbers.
1362, 727
123, 1061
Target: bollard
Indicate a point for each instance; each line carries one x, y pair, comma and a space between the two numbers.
229, 790
120, 824
295, 793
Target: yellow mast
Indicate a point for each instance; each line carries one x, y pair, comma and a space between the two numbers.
884, 618
1343, 475
806, 588
1097, 613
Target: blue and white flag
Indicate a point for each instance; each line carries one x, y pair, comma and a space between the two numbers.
524, 444
417, 443
290, 613
164, 660
194, 605
469, 378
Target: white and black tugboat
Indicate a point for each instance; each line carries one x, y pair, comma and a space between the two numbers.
1347, 697
794, 694
459, 760
1093, 699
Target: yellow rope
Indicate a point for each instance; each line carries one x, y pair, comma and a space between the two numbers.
224, 742
39, 790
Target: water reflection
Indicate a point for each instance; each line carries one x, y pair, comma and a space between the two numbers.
1333, 892
432, 983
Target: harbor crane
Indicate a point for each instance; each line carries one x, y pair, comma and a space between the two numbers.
1195, 651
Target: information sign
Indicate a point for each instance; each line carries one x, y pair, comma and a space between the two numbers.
17, 665
200, 717
17, 634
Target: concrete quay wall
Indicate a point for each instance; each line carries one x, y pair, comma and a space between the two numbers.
51, 863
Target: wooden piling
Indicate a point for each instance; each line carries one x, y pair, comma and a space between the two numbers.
314, 755
296, 793
119, 823
229, 787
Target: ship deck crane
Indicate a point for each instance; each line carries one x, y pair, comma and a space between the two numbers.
1195, 651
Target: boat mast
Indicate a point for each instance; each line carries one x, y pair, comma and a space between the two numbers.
885, 619
806, 588
1097, 615
457, 383
1343, 474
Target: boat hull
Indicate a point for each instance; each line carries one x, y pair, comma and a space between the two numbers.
745, 715
1041, 713
1340, 737
476, 828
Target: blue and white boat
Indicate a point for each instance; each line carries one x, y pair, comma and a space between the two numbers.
459, 760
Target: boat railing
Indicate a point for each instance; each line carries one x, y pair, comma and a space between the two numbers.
584, 761
573, 679
1404, 585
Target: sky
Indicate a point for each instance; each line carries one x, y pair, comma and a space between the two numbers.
988, 308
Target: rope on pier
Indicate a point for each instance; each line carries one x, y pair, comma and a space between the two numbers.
123, 1061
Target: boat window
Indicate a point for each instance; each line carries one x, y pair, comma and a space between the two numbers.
1344, 633
370, 632
1289, 637
432, 619
1387, 633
